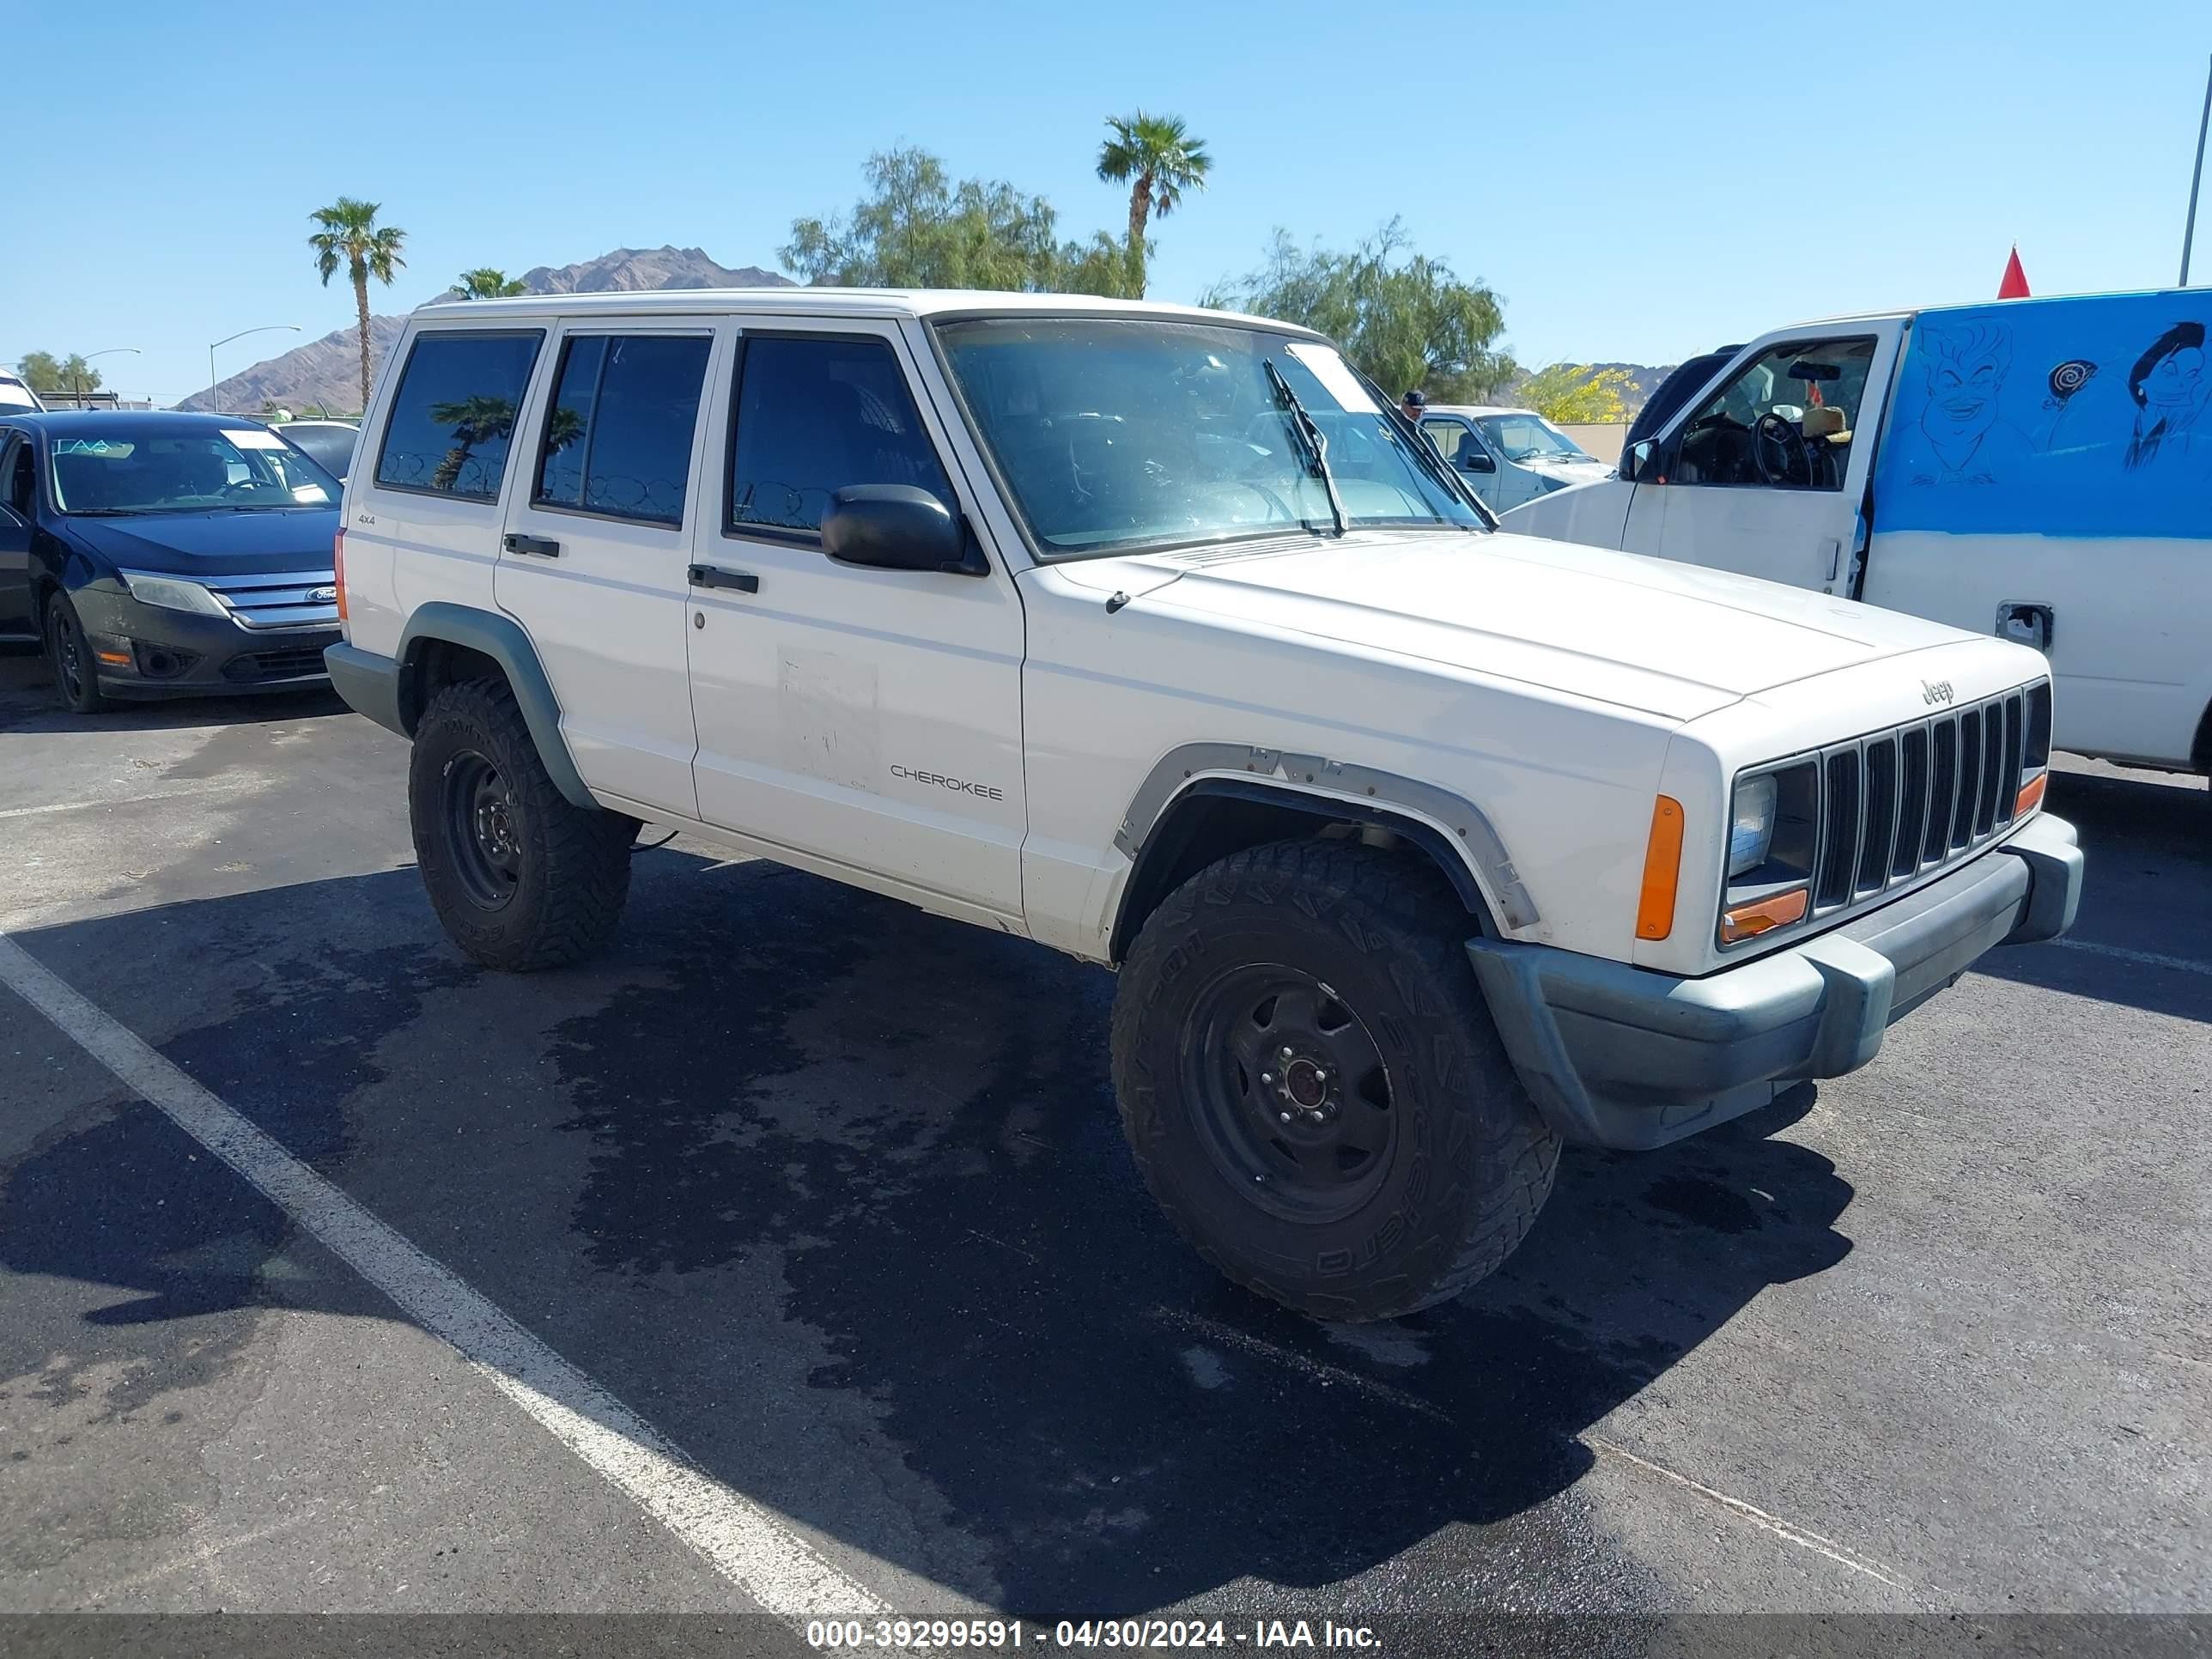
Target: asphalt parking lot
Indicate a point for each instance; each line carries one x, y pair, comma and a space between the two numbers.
828, 1196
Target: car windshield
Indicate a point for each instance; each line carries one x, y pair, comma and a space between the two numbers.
1115, 433
131, 468
1527, 437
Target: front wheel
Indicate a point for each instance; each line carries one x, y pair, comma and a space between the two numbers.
68, 656
521, 877
1313, 1088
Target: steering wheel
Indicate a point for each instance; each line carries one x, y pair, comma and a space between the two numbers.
1778, 450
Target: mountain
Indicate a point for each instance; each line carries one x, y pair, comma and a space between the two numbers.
326, 373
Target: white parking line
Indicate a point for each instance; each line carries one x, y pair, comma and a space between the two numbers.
749, 1544
214, 785
2147, 958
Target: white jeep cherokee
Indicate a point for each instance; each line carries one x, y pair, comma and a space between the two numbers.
1154, 635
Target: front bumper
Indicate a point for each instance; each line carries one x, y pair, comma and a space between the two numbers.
1623, 1057
178, 654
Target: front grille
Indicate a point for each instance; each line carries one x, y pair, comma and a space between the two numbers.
260, 667
286, 600
1895, 805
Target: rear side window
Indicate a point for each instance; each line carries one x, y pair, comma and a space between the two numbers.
19, 478
617, 439
816, 413
453, 415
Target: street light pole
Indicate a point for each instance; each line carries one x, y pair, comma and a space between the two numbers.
266, 328
107, 352
2204, 121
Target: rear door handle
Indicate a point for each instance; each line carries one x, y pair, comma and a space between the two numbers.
709, 575
536, 544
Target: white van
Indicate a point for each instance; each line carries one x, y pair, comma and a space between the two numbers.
16, 396
1508, 456
2037, 469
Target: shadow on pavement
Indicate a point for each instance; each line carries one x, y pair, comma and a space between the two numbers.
788, 1119
29, 703
2146, 898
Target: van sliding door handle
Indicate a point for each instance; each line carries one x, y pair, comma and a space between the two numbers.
709, 575
536, 544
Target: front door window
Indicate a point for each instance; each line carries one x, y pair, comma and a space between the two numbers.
1785, 420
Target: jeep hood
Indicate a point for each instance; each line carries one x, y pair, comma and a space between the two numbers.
1672, 640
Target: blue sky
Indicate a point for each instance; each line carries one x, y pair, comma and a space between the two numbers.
1637, 182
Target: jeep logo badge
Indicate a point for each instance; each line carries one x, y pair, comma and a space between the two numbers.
1934, 691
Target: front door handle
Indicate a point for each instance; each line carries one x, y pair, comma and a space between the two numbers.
535, 545
709, 575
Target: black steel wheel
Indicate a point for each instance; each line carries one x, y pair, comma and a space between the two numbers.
1291, 1091
1313, 1088
522, 877
479, 813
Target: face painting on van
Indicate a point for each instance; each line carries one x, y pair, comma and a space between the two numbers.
2076, 417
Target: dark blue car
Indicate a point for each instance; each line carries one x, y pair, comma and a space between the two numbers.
165, 554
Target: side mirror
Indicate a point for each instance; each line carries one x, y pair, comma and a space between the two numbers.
1474, 460
1637, 459
895, 527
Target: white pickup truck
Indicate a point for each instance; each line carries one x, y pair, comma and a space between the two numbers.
1154, 636
2037, 468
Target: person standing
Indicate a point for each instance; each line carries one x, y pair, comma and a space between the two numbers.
1413, 405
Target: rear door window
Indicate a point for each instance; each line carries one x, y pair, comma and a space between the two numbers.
453, 415
617, 439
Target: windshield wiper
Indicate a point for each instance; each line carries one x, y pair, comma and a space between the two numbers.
1316, 443
105, 512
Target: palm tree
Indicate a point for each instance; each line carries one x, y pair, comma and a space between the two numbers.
1157, 153
485, 284
351, 236
474, 421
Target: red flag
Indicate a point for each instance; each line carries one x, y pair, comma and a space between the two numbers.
2014, 285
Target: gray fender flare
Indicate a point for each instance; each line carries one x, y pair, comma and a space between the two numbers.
502, 640
1363, 791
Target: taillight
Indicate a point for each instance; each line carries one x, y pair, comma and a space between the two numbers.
338, 572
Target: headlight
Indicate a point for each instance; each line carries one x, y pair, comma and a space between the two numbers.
173, 593
1751, 826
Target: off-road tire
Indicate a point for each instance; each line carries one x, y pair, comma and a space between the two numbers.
572, 863
1469, 1162
60, 632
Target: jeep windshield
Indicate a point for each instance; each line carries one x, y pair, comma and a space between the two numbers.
121, 469
1113, 433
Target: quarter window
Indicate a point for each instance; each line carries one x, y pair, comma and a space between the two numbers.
617, 439
452, 416
816, 413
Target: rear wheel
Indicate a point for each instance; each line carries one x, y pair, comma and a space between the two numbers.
68, 656
520, 877
1313, 1088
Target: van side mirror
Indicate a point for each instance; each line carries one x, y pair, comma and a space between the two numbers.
1473, 458
1637, 459
896, 527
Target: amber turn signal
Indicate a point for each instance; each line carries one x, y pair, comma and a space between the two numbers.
337, 570
1763, 915
1662, 869
2031, 795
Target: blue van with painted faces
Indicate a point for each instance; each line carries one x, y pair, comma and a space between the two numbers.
2037, 469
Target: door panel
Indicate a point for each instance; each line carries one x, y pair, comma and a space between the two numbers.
1701, 503
868, 717
599, 533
